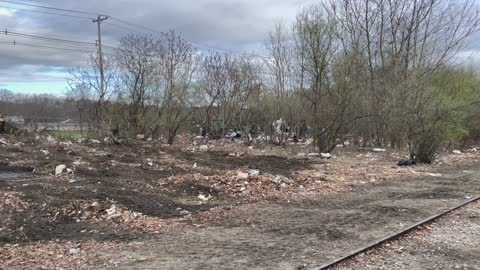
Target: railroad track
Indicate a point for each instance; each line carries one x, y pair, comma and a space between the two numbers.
390, 237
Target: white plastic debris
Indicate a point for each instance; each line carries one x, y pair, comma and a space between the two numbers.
60, 169
3, 141
51, 139
95, 204
457, 152
253, 173
111, 211
435, 174
185, 213
325, 155
204, 198
278, 179
73, 251
195, 165
379, 150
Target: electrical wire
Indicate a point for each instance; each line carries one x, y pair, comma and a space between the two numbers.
52, 8
130, 24
15, 43
46, 12
43, 38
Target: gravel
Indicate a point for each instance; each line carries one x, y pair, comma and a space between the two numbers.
453, 242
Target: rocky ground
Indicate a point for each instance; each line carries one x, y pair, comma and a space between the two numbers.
217, 205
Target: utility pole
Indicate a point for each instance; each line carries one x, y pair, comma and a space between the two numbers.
99, 20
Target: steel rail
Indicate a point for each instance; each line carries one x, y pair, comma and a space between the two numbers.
390, 237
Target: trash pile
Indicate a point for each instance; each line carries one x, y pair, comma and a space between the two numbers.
83, 211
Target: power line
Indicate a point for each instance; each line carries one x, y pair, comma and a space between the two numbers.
125, 28
15, 43
134, 25
52, 8
43, 38
49, 39
46, 12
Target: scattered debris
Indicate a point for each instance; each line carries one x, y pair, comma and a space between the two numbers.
253, 173
379, 150
406, 163
326, 155
185, 213
111, 211
3, 141
73, 251
204, 198
242, 175
60, 169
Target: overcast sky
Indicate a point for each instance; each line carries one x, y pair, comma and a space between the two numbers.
236, 25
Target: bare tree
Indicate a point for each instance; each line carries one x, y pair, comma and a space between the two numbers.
177, 64
137, 59
84, 84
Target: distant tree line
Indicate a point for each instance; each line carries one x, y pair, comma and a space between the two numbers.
37, 107
376, 72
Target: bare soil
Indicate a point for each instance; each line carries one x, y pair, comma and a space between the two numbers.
452, 242
150, 206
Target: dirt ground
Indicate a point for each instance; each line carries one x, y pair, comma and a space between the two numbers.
225, 206
450, 243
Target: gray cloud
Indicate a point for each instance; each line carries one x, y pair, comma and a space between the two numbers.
232, 24
235, 25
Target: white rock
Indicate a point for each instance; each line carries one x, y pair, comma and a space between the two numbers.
60, 169
3, 141
457, 152
435, 174
45, 152
204, 148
